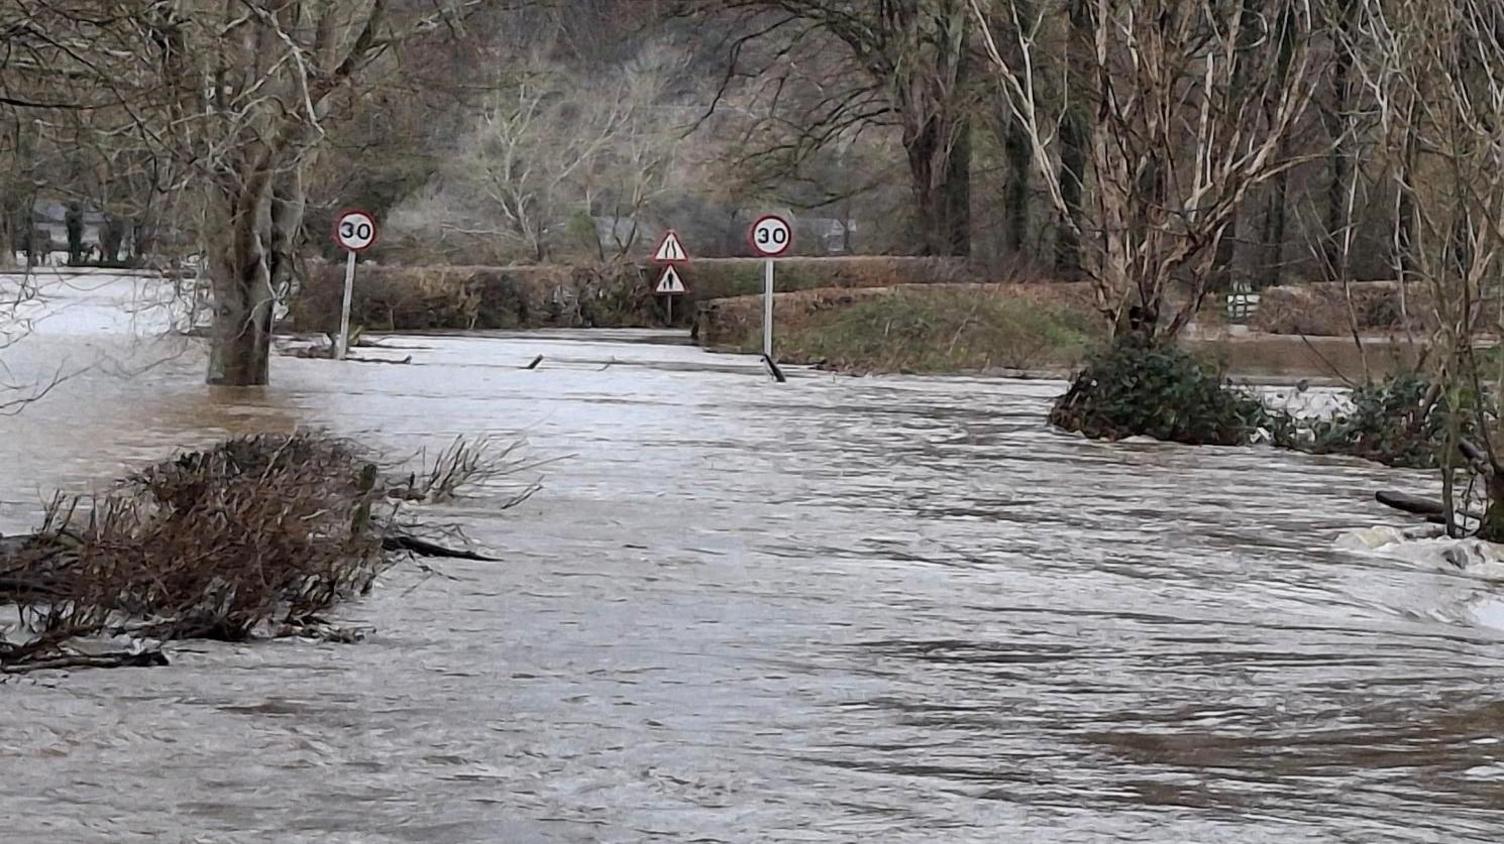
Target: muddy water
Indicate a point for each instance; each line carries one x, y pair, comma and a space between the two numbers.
837, 610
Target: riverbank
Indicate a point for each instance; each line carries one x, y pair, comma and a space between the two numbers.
937, 328
1038, 329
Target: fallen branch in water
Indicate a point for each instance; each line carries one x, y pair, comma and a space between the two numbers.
121, 659
424, 548
1433, 511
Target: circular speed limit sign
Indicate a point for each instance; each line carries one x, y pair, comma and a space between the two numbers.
771, 236
355, 230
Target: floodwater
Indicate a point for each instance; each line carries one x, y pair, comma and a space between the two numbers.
880, 609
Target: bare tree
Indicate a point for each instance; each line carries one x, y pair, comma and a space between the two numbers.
552, 146
231, 99
1192, 101
1435, 74
914, 57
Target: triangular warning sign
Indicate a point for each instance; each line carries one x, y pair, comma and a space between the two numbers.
670, 249
670, 282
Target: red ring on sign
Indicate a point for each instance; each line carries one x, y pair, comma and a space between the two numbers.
340, 217
752, 236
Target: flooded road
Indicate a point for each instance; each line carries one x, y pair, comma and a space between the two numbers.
883, 609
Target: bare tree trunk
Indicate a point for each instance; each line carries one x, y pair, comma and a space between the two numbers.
941, 175
1073, 139
9, 242
1222, 276
1075, 133
243, 299
242, 285
111, 237
1275, 224
1404, 234
287, 206
1020, 157
937, 133
15, 202
1338, 216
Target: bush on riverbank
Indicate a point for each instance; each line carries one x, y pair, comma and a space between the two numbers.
260, 534
1321, 309
1400, 421
1133, 388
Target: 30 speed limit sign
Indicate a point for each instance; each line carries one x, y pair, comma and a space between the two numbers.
771, 236
355, 230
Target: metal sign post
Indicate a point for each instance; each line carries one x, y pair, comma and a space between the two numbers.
767, 308
770, 236
669, 286
342, 342
354, 231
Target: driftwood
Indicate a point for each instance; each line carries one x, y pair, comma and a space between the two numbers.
122, 659
424, 548
1430, 509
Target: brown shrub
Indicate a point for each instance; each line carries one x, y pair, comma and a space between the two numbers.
256, 531
616, 295
417, 298
718, 278
1321, 310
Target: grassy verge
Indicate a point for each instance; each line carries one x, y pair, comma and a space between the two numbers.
931, 329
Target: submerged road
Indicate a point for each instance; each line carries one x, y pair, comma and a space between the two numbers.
884, 609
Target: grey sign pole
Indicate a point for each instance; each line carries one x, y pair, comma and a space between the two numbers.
767, 308
342, 342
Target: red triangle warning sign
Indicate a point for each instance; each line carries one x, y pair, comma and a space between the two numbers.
670, 282
670, 249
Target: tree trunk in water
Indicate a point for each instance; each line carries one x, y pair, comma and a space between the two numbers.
1019, 152
1492, 529
242, 322
242, 285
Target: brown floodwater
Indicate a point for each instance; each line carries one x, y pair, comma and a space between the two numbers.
878, 609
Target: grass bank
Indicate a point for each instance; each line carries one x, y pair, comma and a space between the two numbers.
920, 329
